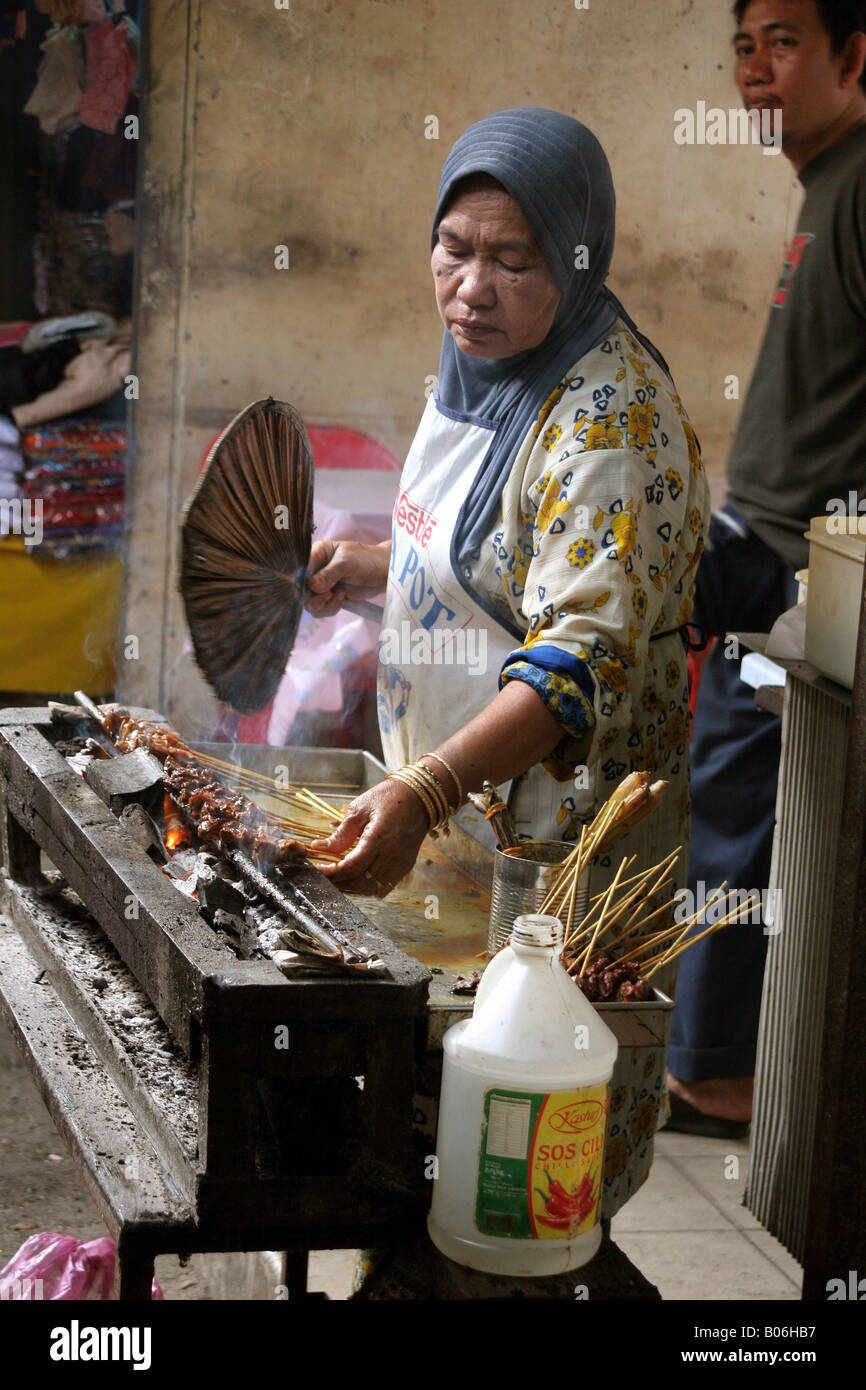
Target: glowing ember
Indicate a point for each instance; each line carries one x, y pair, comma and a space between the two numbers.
176, 833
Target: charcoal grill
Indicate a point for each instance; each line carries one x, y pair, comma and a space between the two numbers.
252, 1111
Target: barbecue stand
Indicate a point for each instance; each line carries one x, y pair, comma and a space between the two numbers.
173, 1135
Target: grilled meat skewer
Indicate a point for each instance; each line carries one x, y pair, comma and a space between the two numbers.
229, 819
220, 816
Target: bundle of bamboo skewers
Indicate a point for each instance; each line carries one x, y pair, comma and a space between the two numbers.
300, 811
614, 950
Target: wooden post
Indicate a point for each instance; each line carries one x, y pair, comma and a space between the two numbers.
133, 1273
19, 852
293, 1273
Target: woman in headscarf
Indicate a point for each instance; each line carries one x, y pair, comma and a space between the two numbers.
550, 518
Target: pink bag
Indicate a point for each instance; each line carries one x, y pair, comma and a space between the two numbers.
52, 1266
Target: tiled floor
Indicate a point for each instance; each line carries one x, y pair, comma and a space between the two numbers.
686, 1230
688, 1233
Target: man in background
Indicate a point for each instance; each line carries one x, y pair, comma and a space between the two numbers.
801, 442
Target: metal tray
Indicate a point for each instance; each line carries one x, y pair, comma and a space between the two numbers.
455, 870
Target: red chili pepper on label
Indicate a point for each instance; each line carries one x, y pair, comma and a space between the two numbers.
557, 1190
554, 1207
559, 1223
566, 1210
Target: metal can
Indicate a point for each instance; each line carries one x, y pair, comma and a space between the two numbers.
521, 881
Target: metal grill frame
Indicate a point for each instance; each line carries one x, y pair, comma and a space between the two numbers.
223, 1014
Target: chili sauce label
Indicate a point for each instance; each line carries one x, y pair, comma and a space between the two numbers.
540, 1165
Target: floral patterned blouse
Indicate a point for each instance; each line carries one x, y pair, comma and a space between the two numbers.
602, 525
592, 560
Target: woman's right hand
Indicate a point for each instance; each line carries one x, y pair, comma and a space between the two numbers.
340, 570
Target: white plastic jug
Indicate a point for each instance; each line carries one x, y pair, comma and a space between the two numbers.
523, 1116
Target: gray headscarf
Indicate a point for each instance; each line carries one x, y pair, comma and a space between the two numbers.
557, 173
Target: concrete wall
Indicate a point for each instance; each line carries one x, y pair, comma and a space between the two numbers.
306, 127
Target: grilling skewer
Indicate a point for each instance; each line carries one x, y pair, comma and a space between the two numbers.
300, 910
90, 708
287, 896
222, 819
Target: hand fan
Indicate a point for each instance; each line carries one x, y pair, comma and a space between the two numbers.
245, 546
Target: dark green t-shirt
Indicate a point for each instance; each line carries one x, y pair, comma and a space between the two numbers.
801, 440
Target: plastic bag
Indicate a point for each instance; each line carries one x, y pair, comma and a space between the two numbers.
49, 1266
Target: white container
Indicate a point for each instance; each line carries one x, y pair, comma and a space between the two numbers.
523, 1116
836, 554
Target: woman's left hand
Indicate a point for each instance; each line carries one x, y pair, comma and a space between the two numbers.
389, 823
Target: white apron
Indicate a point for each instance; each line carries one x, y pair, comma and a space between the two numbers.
440, 653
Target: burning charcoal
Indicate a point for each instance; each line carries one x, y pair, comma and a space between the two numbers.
263, 918
204, 874
241, 939
143, 829
216, 893
183, 885
181, 865
227, 921
71, 747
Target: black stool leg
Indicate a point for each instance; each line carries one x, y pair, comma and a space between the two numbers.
133, 1274
294, 1273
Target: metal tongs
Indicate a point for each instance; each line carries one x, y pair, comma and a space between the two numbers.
493, 808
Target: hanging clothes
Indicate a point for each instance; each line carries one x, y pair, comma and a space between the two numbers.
110, 70
73, 11
59, 83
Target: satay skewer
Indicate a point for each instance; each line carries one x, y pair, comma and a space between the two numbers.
667, 957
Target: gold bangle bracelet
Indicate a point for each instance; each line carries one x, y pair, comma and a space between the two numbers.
455, 778
404, 776
435, 788
430, 792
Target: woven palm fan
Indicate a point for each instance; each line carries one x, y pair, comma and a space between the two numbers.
245, 546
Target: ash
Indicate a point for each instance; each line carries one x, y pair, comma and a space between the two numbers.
89, 956
242, 920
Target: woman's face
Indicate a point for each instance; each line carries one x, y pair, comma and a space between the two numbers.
494, 290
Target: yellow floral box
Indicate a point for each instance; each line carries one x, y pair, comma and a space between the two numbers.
638, 1095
